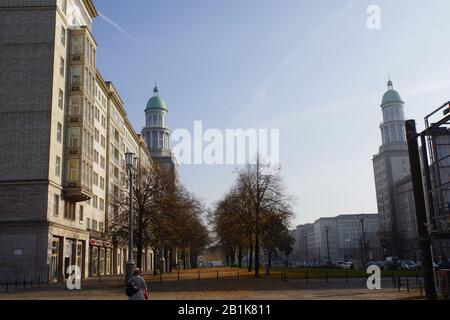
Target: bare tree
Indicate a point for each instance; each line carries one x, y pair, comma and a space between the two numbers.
257, 199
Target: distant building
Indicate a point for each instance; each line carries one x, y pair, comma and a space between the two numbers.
391, 165
338, 239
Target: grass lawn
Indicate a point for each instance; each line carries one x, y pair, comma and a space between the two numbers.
317, 273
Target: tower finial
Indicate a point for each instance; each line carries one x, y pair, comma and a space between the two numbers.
390, 84
155, 89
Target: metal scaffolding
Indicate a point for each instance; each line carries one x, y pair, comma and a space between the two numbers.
436, 167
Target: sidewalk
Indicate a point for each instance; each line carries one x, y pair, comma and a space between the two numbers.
226, 288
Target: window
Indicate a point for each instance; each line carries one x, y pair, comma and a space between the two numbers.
95, 202
95, 179
59, 132
58, 167
103, 141
73, 170
61, 99
69, 212
81, 213
97, 135
101, 227
102, 183
88, 224
61, 67
103, 121
63, 36
96, 156
102, 204
94, 225
77, 45
76, 75
74, 137
56, 205
102, 162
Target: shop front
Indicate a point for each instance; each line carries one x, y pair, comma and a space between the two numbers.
100, 258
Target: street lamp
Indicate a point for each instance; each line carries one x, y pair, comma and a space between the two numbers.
131, 164
306, 249
349, 241
327, 230
363, 244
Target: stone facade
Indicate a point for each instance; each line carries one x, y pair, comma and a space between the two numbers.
64, 136
338, 239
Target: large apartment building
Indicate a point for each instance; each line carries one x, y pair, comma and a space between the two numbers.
350, 237
64, 134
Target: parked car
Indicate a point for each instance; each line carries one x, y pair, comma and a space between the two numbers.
329, 264
408, 265
349, 266
340, 264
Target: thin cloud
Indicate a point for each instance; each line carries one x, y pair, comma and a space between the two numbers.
119, 28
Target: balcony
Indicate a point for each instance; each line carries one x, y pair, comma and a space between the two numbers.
74, 192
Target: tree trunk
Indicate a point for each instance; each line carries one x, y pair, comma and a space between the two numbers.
257, 254
139, 255
240, 257
250, 257
269, 257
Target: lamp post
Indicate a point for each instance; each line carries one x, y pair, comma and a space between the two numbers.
327, 230
349, 241
306, 249
363, 244
130, 162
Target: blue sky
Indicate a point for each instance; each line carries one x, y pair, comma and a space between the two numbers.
309, 68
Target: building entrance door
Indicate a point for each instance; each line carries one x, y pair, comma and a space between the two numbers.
54, 263
70, 255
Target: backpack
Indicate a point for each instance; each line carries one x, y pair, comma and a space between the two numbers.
131, 289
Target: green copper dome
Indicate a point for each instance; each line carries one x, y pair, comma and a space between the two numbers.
391, 96
156, 102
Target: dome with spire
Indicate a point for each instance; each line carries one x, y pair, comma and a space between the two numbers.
156, 102
391, 96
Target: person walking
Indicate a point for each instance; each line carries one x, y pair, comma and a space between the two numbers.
137, 288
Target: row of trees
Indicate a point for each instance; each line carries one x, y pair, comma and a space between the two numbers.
253, 216
166, 218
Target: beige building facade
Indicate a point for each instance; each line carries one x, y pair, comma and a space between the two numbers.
64, 138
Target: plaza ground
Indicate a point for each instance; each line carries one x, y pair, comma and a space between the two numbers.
232, 284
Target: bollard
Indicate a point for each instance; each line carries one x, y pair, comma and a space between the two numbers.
31, 283
17, 281
198, 275
217, 275
417, 278
399, 280
420, 287
7, 286
24, 283
407, 285
160, 276
326, 276
346, 275
178, 275
39, 279
238, 275
307, 277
